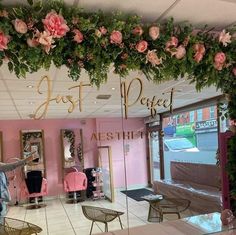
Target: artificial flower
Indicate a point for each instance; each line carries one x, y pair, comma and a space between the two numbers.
224, 38
55, 25
154, 32
141, 46
4, 39
46, 40
78, 36
137, 30
153, 58
20, 26
116, 37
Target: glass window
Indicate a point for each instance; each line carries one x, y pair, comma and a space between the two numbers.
190, 140
191, 116
199, 115
212, 112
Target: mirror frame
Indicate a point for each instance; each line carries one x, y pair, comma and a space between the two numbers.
109, 154
78, 148
38, 144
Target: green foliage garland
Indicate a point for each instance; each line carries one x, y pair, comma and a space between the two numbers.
38, 46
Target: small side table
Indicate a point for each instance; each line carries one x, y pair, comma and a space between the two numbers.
153, 215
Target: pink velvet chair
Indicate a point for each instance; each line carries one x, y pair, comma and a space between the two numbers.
25, 194
75, 181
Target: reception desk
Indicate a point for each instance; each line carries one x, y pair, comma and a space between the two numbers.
194, 225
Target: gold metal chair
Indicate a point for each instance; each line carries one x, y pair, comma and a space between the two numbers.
18, 227
103, 215
168, 206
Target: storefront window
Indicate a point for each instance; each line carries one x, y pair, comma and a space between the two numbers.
189, 140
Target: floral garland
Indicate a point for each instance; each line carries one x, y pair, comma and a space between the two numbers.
34, 36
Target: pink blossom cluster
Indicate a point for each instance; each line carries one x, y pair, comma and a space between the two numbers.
55, 27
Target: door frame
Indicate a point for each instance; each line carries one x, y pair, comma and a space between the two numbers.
149, 160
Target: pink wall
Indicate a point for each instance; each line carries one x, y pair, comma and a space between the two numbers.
11, 145
135, 159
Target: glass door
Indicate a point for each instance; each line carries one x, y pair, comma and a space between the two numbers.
154, 155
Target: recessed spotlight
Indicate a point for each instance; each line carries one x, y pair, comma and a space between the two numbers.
95, 102
31, 102
113, 88
30, 86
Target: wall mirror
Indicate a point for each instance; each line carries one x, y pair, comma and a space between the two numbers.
33, 141
1, 147
105, 163
72, 148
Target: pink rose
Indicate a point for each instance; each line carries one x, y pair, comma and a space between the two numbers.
116, 37
55, 25
20, 26
141, 46
154, 32
137, 30
78, 36
152, 58
103, 30
180, 52
234, 71
4, 39
46, 40
173, 42
32, 42
220, 58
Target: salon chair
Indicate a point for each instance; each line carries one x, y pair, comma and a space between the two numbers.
34, 186
73, 182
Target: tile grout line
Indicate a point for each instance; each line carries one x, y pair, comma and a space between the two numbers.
67, 215
46, 220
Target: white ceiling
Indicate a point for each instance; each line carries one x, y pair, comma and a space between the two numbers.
18, 102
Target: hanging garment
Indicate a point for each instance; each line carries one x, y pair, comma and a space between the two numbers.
34, 181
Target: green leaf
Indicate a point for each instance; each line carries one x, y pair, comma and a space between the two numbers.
10, 66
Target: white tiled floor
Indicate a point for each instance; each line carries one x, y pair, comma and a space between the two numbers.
60, 218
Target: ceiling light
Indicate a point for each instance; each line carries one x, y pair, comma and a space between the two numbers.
31, 102
103, 97
113, 88
30, 86
95, 102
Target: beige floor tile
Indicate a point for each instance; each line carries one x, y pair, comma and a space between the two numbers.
61, 218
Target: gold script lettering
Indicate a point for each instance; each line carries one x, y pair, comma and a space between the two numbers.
125, 94
42, 109
151, 103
